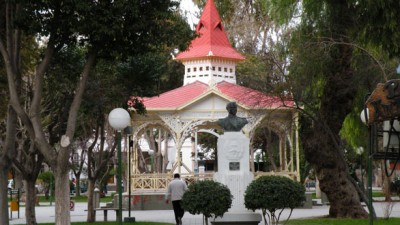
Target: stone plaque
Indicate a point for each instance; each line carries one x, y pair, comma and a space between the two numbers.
234, 166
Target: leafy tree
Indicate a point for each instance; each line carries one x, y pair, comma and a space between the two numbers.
272, 194
98, 162
208, 142
27, 161
47, 179
256, 72
265, 140
330, 54
108, 30
210, 198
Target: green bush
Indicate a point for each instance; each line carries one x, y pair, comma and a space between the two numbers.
272, 194
210, 198
47, 179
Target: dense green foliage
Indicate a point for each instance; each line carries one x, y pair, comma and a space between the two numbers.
210, 198
272, 194
78, 40
333, 64
47, 177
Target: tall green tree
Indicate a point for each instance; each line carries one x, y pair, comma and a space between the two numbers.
328, 56
108, 29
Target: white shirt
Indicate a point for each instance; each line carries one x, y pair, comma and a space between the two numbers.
176, 189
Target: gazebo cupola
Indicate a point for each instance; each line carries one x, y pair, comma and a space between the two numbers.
210, 57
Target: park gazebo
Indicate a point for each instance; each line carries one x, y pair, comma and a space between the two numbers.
209, 84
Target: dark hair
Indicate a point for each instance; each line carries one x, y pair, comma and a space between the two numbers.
176, 175
231, 105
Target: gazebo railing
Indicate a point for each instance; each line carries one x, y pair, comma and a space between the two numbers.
159, 181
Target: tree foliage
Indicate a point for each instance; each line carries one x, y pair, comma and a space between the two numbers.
272, 194
380, 24
333, 64
327, 55
106, 30
47, 179
210, 198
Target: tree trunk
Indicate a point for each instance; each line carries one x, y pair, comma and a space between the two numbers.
62, 198
30, 202
387, 192
332, 173
78, 185
6, 155
320, 137
3, 193
268, 148
91, 216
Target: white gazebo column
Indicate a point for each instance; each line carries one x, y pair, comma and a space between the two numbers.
296, 121
290, 137
179, 152
158, 160
196, 163
165, 156
194, 151
284, 158
252, 168
134, 158
280, 153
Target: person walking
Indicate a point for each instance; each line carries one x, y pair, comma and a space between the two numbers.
175, 191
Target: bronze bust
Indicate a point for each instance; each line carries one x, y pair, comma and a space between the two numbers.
232, 122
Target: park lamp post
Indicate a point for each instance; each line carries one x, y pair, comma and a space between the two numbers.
364, 118
359, 152
119, 119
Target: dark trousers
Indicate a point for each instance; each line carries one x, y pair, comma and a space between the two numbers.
177, 210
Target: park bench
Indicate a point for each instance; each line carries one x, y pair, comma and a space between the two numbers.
105, 210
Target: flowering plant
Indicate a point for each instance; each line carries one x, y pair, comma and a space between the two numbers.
135, 105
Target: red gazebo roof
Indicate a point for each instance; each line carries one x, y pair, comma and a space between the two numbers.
185, 95
212, 40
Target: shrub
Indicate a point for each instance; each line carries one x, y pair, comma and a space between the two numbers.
395, 186
47, 178
272, 194
210, 198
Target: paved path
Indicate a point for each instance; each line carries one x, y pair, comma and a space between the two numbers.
46, 214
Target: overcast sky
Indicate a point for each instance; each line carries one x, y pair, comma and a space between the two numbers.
190, 10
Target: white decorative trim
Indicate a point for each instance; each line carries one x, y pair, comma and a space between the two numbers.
142, 126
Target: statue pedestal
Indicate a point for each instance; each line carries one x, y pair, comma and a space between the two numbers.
234, 172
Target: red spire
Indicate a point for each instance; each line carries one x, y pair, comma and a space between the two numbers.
213, 40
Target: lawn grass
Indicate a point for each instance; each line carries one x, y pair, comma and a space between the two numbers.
82, 198
375, 194
111, 223
327, 221
321, 221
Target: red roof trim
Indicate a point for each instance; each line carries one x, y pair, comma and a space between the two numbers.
176, 97
212, 37
180, 97
252, 98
